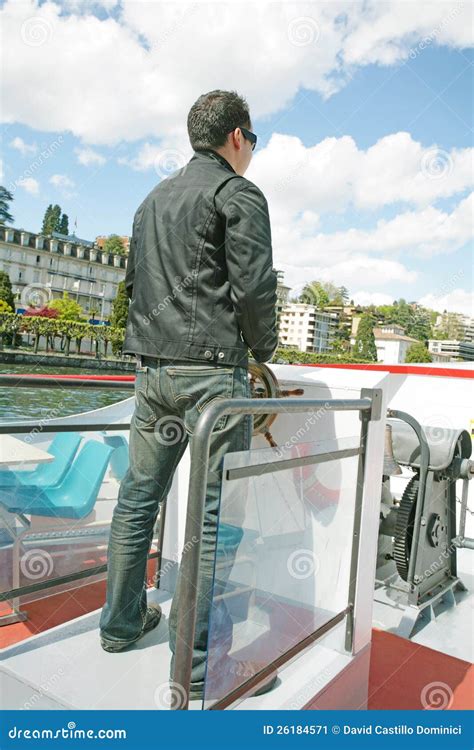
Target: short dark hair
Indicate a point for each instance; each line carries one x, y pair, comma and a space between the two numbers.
213, 116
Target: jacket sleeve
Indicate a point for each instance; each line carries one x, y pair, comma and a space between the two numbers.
132, 255
253, 282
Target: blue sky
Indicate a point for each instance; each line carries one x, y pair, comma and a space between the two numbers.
365, 128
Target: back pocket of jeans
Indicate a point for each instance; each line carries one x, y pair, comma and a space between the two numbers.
199, 386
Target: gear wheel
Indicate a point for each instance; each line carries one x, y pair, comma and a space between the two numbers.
404, 527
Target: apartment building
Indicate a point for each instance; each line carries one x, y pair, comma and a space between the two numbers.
306, 328
282, 295
41, 268
457, 350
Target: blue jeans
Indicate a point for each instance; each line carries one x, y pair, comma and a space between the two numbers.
169, 398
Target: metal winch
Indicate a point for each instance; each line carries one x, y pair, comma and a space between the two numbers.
418, 541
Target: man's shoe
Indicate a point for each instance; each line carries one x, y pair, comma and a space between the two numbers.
232, 670
152, 619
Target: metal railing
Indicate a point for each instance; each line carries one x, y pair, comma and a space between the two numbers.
369, 408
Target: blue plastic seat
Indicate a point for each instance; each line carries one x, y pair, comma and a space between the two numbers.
119, 459
76, 495
63, 447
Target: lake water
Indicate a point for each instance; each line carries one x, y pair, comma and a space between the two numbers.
43, 403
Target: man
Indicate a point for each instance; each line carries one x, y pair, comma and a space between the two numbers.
202, 293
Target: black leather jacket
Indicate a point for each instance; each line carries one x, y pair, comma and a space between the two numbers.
199, 272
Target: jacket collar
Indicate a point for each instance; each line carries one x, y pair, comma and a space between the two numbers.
214, 155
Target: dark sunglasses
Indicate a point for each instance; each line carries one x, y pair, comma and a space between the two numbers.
249, 136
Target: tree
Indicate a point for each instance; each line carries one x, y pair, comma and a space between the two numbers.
5, 198
6, 293
341, 343
419, 325
314, 294
120, 305
418, 353
67, 308
365, 341
344, 294
450, 327
114, 244
45, 227
51, 220
64, 225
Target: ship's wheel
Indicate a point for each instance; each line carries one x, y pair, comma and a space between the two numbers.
264, 384
404, 527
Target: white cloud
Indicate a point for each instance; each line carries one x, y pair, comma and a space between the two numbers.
415, 233
88, 6
372, 298
164, 158
64, 184
24, 148
29, 184
335, 174
457, 300
88, 157
392, 31
61, 181
147, 89
361, 258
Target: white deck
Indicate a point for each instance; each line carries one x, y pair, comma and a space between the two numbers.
66, 668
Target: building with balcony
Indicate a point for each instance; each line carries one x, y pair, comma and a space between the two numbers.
457, 350
42, 267
306, 328
282, 295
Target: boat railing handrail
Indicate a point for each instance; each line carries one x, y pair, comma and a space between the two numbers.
21, 428
33, 588
369, 407
73, 380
